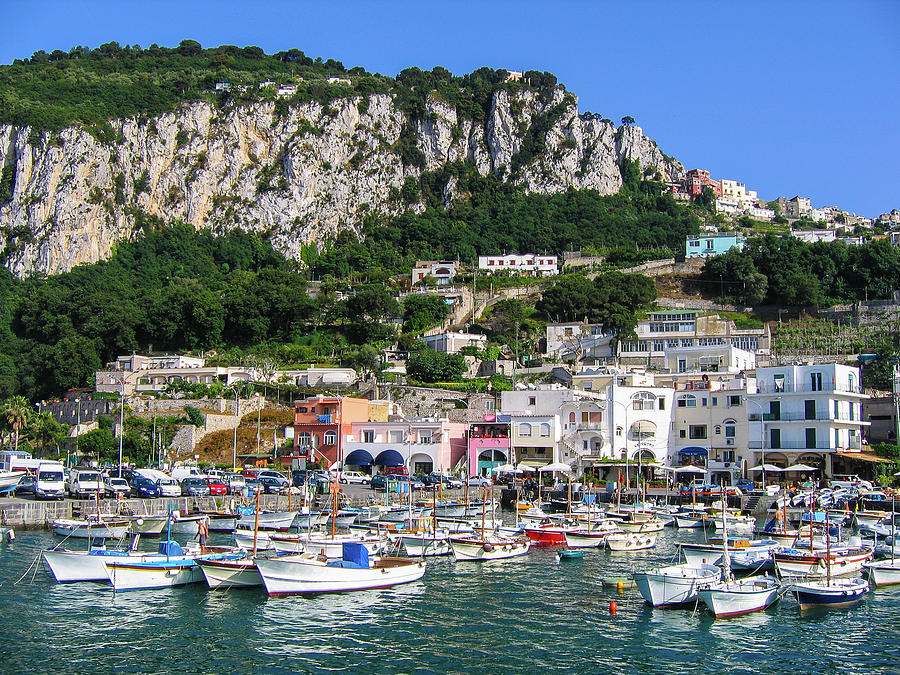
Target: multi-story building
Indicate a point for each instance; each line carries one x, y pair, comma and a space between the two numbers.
697, 179
573, 341
529, 264
488, 444
665, 331
813, 236
421, 444
710, 428
322, 422
151, 373
452, 342
806, 414
442, 272
710, 245
795, 207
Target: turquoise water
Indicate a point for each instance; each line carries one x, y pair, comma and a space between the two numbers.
524, 615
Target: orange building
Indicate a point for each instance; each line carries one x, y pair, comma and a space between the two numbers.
322, 422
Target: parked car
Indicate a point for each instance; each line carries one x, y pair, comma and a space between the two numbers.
144, 488
479, 481
380, 482
115, 486
251, 485
194, 487
446, 480
168, 487
25, 486
396, 471
84, 483
249, 473
49, 482
235, 483
298, 477
277, 475
355, 477
216, 486
271, 485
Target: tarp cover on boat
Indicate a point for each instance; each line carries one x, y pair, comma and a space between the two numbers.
359, 458
387, 458
693, 450
357, 553
170, 548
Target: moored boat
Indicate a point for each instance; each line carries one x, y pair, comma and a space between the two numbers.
490, 547
91, 528
226, 573
675, 585
884, 572
172, 567
630, 541
837, 562
830, 593
740, 596
306, 573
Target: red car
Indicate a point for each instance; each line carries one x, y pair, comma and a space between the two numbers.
216, 486
249, 473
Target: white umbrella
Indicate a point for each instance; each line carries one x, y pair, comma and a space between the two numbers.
504, 468
557, 466
765, 467
690, 469
525, 467
801, 467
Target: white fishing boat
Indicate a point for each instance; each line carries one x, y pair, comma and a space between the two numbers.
245, 539
884, 572
186, 525
221, 521
830, 592
268, 520
676, 584
734, 597
630, 541
309, 520
91, 528
341, 519
9, 480
735, 522
491, 547
307, 573
173, 568
840, 561
592, 535
226, 573
148, 526
322, 544
642, 526
712, 551
690, 520
427, 544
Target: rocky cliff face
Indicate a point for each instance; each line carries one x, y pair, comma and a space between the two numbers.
297, 176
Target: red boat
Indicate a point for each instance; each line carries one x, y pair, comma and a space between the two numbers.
548, 535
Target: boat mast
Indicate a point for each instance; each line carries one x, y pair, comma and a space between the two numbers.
256, 520
827, 552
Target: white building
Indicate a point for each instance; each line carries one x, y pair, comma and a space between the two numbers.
639, 419
813, 236
761, 213
441, 271
575, 340
806, 414
451, 342
528, 264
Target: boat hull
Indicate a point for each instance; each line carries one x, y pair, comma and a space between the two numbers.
675, 585
630, 541
295, 575
224, 574
838, 593
748, 595
478, 549
840, 564
80, 529
136, 576
884, 572
416, 546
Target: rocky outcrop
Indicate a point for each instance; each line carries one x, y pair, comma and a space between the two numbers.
296, 176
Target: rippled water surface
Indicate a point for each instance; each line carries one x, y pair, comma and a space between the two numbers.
527, 615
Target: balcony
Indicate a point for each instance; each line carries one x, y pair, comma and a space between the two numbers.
820, 416
801, 445
788, 388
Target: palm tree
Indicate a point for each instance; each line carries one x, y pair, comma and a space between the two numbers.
45, 430
17, 411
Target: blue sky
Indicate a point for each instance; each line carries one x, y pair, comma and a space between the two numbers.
789, 97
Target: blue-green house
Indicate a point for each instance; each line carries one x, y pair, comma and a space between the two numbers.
711, 244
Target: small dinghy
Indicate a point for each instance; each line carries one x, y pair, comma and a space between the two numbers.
569, 555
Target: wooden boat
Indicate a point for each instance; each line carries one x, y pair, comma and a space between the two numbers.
306, 573
566, 554
148, 526
838, 562
91, 528
220, 521
309, 520
734, 597
226, 573
592, 535
549, 535
491, 547
883, 572
427, 544
675, 585
186, 525
323, 544
642, 526
268, 520
630, 541
173, 567
712, 551
830, 593
341, 519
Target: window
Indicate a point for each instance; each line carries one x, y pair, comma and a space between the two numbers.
733, 401
704, 401
585, 417
424, 435
395, 436
718, 430
330, 438
837, 410
545, 430
532, 400
368, 436
810, 438
525, 429
643, 400
303, 439
850, 409
715, 400
815, 381
837, 438
572, 418
697, 431
682, 433
689, 401
540, 451
662, 403
730, 428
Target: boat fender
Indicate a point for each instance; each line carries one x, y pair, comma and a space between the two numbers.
488, 547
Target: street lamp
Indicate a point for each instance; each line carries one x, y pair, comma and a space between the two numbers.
77, 425
121, 422
237, 419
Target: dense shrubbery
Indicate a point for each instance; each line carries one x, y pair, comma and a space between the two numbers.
788, 271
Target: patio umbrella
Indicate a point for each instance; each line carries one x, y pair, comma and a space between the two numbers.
557, 466
765, 467
690, 469
801, 467
504, 468
525, 467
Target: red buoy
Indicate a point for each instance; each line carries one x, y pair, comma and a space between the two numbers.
613, 607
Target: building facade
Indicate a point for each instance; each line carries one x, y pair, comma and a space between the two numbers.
528, 264
710, 245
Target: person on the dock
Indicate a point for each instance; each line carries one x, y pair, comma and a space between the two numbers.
203, 533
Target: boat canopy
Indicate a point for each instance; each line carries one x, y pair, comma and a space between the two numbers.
359, 457
388, 458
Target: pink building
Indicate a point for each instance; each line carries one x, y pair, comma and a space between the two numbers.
421, 445
489, 444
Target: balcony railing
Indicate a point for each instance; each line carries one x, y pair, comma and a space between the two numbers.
788, 388
800, 445
820, 416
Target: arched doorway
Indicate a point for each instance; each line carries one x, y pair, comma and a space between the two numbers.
488, 459
421, 463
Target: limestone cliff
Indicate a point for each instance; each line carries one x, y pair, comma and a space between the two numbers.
297, 176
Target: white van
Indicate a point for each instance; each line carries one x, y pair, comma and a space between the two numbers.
85, 483
49, 481
182, 472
